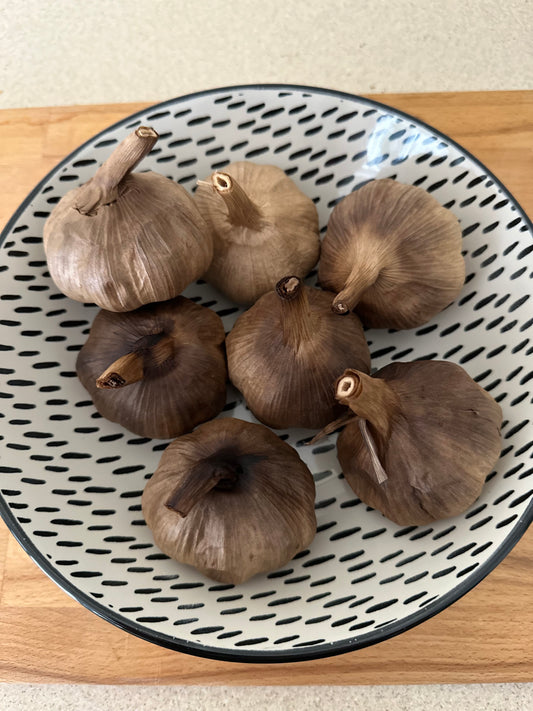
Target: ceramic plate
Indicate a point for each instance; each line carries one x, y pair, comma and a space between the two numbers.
71, 482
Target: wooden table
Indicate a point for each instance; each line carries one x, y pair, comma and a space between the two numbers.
487, 636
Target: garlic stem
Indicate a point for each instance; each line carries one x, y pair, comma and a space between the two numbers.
242, 211
370, 398
125, 370
296, 318
103, 188
362, 276
206, 475
149, 353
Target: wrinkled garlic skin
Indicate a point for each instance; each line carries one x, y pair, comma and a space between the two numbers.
437, 435
275, 232
145, 242
284, 356
174, 396
233, 534
392, 253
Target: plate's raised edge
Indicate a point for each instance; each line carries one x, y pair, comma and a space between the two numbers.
266, 656
268, 87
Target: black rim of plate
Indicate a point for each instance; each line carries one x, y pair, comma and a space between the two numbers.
318, 651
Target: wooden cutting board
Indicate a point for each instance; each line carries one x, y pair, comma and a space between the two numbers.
487, 636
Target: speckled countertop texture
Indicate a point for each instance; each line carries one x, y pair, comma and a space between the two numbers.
67, 52
489, 697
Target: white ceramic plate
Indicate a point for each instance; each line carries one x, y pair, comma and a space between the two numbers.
71, 482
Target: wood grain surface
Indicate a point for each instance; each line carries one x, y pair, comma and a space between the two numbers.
487, 636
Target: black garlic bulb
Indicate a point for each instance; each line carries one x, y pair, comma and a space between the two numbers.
286, 351
158, 371
263, 227
423, 438
231, 499
125, 239
392, 253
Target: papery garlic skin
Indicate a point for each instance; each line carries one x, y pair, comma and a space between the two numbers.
178, 378
285, 352
263, 228
436, 433
392, 253
255, 524
126, 239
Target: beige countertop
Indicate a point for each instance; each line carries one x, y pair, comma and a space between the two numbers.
63, 52
439, 697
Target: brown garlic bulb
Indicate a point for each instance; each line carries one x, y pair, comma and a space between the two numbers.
425, 437
158, 371
392, 253
263, 228
123, 240
231, 499
285, 352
